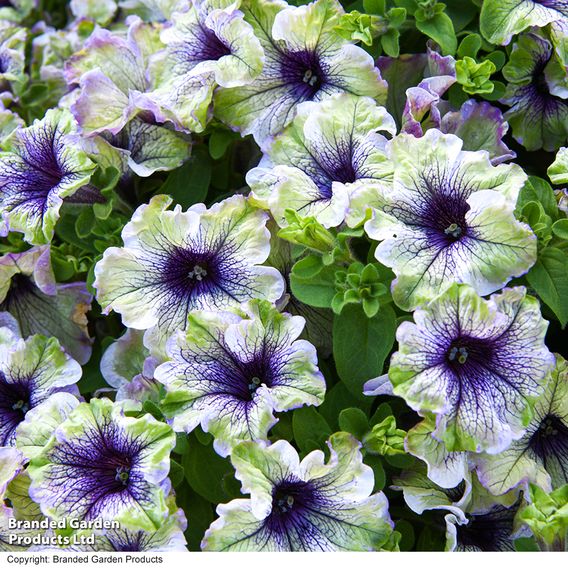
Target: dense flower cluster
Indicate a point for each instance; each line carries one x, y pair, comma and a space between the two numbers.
283, 276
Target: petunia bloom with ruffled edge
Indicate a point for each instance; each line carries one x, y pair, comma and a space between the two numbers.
38, 170
330, 154
174, 262
481, 126
422, 494
141, 147
541, 455
31, 371
305, 60
208, 44
168, 537
100, 463
558, 170
449, 217
539, 108
492, 529
230, 373
476, 364
446, 469
29, 293
301, 506
500, 20
111, 72
150, 10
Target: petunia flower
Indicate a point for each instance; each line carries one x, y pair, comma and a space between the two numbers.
168, 537
305, 60
558, 170
128, 367
111, 72
481, 126
541, 455
500, 20
11, 465
492, 529
29, 293
539, 105
422, 494
446, 469
150, 10
16, 10
142, 147
31, 371
174, 262
39, 168
12, 54
230, 373
331, 153
476, 364
448, 217
102, 464
208, 44
101, 11
301, 506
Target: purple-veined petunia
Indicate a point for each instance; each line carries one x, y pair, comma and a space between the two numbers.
29, 293
302, 506
536, 94
541, 455
174, 262
305, 60
31, 370
500, 20
481, 126
328, 163
168, 537
476, 364
39, 168
208, 44
230, 373
100, 463
448, 217
111, 74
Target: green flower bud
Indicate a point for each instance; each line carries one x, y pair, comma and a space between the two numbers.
385, 438
474, 77
307, 231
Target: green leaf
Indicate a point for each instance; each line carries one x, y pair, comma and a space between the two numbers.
308, 267
361, 344
548, 278
316, 291
537, 189
469, 46
153, 409
199, 510
354, 421
176, 473
374, 6
206, 481
310, 427
337, 399
219, 141
441, 29
526, 544
406, 531
190, 183
560, 228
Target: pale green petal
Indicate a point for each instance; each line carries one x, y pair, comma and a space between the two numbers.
558, 170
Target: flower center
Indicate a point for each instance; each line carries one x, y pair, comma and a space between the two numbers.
122, 475
285, 503
254, 384
550, 440
198, 273
453, 230
310, 78
21, 405
458, 354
